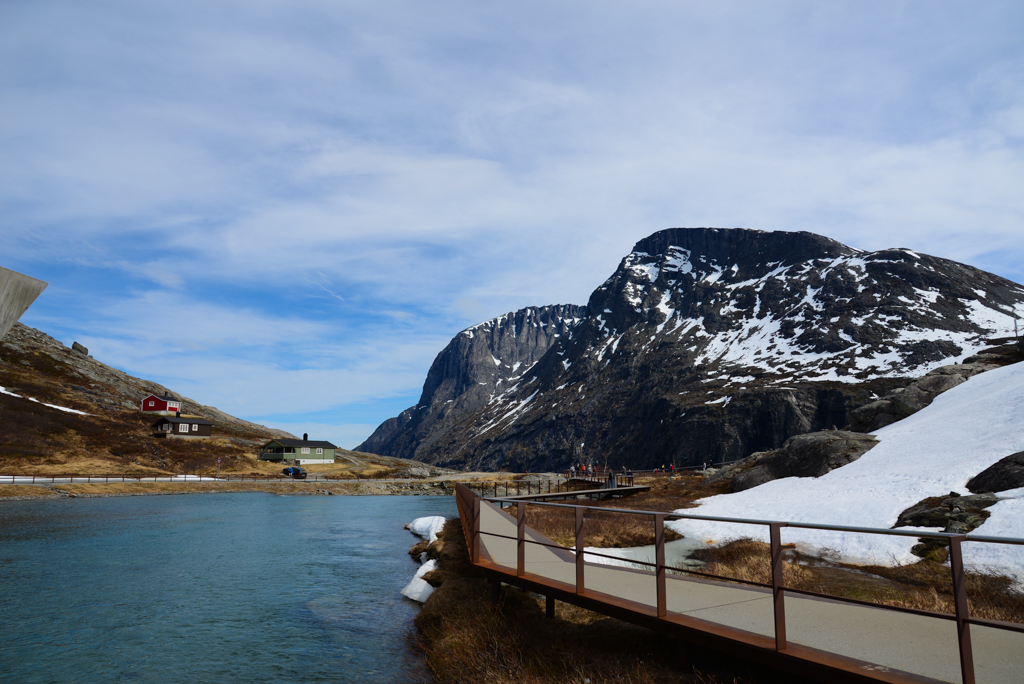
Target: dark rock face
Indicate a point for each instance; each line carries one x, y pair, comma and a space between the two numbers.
808, 455
906, 401
477, 364
707, 345
1006, 473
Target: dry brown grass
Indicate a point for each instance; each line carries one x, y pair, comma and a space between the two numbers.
25, 490
926, 585
601, 529
750, 561
281, 487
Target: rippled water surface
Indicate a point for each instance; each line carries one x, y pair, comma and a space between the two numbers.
208, 588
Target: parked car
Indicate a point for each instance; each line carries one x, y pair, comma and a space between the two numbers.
294, 472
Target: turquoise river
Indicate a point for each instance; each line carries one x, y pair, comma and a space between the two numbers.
242, 587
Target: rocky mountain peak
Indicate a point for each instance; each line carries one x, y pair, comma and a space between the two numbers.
710, 344
479, 362
797, 303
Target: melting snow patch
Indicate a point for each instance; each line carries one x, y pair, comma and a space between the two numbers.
3, 390
418, 589
428, 527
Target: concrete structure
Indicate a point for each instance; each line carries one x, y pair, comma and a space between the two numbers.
297, 451
182, 427
17, 292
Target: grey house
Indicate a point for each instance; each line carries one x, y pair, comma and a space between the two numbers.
180, 427
297, 451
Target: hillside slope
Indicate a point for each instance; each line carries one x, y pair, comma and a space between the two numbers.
929, 454
711, 344
104, 431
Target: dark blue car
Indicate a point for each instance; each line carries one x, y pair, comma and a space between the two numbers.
294, 472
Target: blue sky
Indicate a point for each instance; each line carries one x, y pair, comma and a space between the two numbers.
286, 209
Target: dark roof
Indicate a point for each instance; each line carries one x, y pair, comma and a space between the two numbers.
164, 397
177, 419
300, 443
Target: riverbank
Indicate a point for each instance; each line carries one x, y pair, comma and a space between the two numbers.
466, 637
19, 492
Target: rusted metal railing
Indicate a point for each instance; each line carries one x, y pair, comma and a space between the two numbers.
469, 508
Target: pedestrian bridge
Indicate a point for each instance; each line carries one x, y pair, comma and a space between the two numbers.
829, 639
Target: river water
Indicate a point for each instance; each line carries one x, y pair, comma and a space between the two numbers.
243, 587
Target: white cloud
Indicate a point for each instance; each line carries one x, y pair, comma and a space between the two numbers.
366, 173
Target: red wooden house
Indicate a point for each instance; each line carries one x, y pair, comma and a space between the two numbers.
165, 404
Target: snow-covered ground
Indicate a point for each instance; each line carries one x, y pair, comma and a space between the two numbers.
428, 528
931, 453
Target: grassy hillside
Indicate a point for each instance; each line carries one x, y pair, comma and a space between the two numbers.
115, 436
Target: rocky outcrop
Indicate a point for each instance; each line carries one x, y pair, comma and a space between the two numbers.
1006, 473
707, 345
809, 455
953, 513
906, 401
477, 364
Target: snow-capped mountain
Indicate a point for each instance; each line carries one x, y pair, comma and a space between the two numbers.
709, 344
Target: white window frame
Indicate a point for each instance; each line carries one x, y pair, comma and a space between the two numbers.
305, 450
182, 427
152, 403
320, 450
195, 427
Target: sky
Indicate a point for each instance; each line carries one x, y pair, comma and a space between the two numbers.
287, 209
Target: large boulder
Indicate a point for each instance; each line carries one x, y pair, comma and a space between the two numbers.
809, 455
953, 513
1007, 473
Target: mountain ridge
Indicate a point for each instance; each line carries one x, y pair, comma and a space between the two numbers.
708, 344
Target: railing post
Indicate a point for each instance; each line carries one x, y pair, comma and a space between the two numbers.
963, 627
778, 596
520, 539
659, 560
579, 549
475, 531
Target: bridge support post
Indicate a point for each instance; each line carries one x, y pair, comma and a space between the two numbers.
520, 538
549, 606
963, 627
475, 531
579, 549
778, 596
659, 563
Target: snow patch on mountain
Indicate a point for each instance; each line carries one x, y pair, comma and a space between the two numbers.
931, 453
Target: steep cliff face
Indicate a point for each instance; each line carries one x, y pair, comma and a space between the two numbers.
479, 363
707, 345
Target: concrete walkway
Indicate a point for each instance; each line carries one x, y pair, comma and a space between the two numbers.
917, 644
